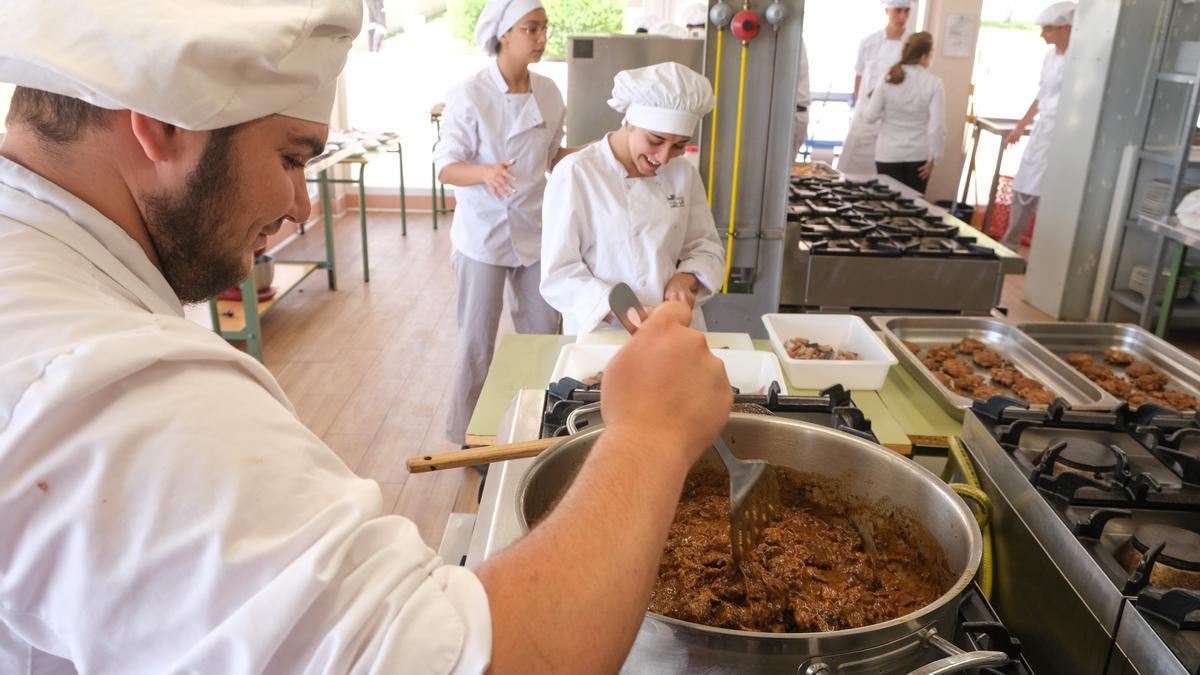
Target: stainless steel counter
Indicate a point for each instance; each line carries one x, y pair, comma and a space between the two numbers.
496, 524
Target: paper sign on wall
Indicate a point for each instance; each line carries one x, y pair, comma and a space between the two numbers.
960, 35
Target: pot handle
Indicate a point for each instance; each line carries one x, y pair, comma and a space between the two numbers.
575, 414
959, 661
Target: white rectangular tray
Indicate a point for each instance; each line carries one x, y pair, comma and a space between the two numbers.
841, 331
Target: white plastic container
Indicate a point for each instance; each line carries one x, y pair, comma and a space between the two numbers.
841, 331
748, 371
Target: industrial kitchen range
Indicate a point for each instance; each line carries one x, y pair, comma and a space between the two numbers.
875, 245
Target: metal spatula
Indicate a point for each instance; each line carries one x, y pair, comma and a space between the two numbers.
753, 487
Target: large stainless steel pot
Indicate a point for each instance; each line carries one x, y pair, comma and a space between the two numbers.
876, 475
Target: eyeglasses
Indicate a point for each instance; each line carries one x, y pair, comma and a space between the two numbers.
535, 29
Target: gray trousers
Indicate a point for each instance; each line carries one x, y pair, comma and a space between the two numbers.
481, 295
1020, 213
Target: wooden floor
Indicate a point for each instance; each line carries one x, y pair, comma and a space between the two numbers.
368, 366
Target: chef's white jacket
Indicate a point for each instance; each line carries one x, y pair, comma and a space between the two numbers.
876, 54
484, 124
1037, 151
162, 509
603, 227
803, 89
911, 117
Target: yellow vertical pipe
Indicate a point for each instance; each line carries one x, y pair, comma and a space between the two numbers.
712, 145
737, 168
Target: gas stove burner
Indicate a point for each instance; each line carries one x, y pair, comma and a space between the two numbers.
1082, 456
1181, 550
1172, 553
832, 407
1085, 467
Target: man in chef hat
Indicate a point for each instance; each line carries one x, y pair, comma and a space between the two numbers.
1055, 21
162, 509
877, 52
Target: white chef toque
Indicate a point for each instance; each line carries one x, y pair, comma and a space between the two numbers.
667, 98
897, 4
200, 64
1058, 14
497, 18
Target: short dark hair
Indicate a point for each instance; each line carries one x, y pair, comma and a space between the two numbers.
54, 117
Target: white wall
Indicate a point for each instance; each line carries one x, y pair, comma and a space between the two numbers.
955, 72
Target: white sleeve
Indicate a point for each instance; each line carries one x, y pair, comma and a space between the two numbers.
873, 112
803, 88
1044, 74
568, 285
703, 253
937, 120
459, 139
860, 61
558, 125
166, 514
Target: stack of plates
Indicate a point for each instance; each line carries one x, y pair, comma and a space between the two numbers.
1140, 282
1154, 200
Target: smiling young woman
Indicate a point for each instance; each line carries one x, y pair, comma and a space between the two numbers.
627, 209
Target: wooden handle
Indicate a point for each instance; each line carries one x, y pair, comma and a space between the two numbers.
486, 455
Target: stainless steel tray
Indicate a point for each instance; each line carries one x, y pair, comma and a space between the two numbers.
1094, 338
1028, 356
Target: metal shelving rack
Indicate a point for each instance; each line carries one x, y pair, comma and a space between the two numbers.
1165, 156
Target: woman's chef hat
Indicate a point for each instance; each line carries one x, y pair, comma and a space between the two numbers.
497, 18
667, 98
1058, 14
201, 64
695, 15
898, 4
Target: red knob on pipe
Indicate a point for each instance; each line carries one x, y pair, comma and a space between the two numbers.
745, 25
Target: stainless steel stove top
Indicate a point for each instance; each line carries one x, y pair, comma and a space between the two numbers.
1061, 587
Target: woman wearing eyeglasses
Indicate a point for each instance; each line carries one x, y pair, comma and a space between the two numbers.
502, 131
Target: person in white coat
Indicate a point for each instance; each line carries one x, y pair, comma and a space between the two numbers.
1055, 21
162, 508
502, 131
877, 53
803, 102
909, 108
629, 209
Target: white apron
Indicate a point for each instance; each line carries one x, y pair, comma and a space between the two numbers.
1037, 154
1037, 151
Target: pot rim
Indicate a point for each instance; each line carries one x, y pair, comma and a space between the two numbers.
974, 535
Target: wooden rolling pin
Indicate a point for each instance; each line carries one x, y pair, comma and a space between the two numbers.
484, 455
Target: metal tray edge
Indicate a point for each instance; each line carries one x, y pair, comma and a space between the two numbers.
951, 401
